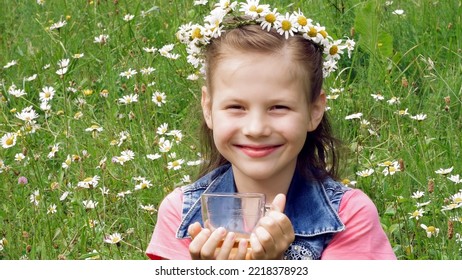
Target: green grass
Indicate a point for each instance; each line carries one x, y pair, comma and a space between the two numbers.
418, 61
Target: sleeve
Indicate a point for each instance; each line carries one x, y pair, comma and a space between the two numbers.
164, 244
363, 237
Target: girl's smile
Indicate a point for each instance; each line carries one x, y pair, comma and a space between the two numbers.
253, 151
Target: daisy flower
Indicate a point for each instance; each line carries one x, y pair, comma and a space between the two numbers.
128, 74
78, 55
430, 230
47, 94
416, 214
143, 184
125, 156
394, 100
200, 2
128, 99
101, 39
27, 115
391, 167
159, 98
252, 8
164, 145
398, 12
176, 164
89, 204
285, 25
16, 92
67, 162
443, 171
51, 209
153, 156
419, 117
31, 78
149, 208
35, 198
113, 238
19, 157
455, 178
162, 129
457, 198
149, 50
365, 173
451, 206
58, 25
377, 97
177, 135
128, 17
10, 64
354, 116
53, 150
89, 182
147, 71
417, 194
269, 20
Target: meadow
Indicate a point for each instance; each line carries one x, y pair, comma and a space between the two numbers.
99, 117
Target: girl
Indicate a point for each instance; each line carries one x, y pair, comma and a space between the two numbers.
266, 132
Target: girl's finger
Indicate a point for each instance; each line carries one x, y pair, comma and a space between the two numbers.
226, 247
198, 242
208, 250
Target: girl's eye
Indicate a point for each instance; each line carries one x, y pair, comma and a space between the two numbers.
279, 107
235, 107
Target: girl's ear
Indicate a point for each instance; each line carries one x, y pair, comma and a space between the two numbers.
317, 108
206, 104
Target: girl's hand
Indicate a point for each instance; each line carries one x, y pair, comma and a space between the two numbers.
274, 234
216, 245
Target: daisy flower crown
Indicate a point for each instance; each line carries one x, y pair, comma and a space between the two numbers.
197, 36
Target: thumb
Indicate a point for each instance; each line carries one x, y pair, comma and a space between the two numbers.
194, 229
279, 202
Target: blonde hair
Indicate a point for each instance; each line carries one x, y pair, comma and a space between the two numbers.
308, 63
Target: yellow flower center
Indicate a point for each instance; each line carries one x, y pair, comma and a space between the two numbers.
458, 200
387, 163
196, 33
312, 32
10, 141
333, 50
415, 213
271, 18
88, 92
345, 181
87, 180
302, 20
159, 98
431, 229
253, 8
286, 25
323, 33
47, 94
259, 9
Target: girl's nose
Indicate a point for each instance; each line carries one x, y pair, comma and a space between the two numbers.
256, 125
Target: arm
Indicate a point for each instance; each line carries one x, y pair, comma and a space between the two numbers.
164, 244
363, 237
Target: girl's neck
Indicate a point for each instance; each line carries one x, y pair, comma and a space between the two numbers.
270, 187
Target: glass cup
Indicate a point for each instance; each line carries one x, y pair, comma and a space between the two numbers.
236, 212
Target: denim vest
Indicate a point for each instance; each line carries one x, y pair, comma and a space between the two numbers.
311, 206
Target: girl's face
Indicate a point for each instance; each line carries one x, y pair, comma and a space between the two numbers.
259, 114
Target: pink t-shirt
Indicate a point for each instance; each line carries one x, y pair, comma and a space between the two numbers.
362, 239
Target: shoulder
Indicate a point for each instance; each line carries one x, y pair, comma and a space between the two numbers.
172, 203
354, 202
